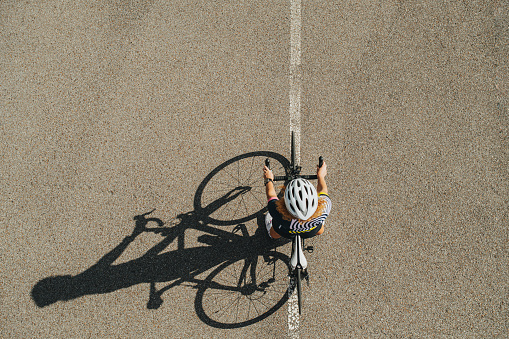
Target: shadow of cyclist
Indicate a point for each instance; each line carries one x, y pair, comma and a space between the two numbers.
222, 250
154, 266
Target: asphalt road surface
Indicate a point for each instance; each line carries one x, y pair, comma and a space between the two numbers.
114, 109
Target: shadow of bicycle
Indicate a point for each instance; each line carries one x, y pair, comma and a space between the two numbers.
249, 278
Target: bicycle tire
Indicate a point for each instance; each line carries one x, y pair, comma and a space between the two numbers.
299, 288
219, 298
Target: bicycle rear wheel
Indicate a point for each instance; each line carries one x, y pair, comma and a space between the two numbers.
299, 288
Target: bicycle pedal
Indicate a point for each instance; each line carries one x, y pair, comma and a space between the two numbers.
310, 249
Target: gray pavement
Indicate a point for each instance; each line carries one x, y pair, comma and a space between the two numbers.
112, 109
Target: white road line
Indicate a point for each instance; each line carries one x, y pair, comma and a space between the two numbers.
295, 73
295, 96
293, 312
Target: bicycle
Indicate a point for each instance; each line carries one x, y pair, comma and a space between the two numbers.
248, 278
298, 262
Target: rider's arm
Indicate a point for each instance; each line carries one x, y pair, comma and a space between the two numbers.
270, 191
269, 187
321, 172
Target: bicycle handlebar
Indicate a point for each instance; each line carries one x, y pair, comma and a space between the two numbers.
283, 178
267, 162
309, 177
290, 177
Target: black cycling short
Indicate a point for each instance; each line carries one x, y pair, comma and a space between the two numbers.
305, 235
281, 226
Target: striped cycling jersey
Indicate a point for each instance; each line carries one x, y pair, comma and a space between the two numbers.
294, 226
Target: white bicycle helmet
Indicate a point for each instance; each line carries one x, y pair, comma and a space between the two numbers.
301, 199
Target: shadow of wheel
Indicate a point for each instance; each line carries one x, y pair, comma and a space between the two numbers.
241, 293
233, 192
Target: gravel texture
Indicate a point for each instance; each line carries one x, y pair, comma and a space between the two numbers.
110, 109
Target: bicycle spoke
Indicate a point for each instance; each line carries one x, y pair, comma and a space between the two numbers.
252, 169
245, 205
235, 178
257, 198
229, 306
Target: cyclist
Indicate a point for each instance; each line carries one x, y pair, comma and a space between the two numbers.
301, 210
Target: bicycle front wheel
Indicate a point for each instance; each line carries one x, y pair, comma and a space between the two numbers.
293, 160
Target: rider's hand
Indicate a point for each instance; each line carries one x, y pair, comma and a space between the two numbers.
321, 172
267, 173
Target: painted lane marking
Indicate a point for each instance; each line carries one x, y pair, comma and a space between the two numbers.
293, 311
295, 100
295, 73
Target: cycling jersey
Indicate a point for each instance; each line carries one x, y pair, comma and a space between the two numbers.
307, 229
